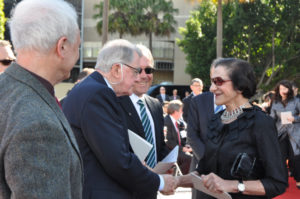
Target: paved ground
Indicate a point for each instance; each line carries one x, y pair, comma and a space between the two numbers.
181, 193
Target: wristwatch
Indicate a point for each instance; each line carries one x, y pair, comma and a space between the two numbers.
241, 186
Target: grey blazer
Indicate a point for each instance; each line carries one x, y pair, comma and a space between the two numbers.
39, 156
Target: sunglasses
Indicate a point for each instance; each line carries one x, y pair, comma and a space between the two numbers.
218, 81
6, 62
147, 70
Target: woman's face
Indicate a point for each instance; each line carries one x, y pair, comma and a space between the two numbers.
283, 91
222, 87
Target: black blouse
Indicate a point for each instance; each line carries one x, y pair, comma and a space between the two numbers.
253, 133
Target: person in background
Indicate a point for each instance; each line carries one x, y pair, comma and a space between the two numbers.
93, 109
288, 126
196, 87
175, 95
174, 137
84, 73
6, 55
162, 96
267, 104
240, 135
39, 156
148, 110
165, 108
295, 89
186, 93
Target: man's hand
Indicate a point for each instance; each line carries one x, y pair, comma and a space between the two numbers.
187, 149
170, 185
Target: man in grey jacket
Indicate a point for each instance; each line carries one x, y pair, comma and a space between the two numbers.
39, 156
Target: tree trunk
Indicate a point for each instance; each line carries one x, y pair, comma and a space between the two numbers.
105, 22
219, 29
262, 77
150, 41
273, 59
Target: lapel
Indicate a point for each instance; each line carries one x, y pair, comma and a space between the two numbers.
20, 74
133, 119
211, 103
151, 107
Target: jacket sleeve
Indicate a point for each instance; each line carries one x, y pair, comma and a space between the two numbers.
193, 131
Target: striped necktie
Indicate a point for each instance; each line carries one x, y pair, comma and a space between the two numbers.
150, 160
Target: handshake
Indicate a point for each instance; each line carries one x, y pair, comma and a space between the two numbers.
172, 182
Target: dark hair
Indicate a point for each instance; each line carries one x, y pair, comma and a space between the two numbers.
240, 73
290, 94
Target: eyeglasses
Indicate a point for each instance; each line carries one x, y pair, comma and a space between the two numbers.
147, 70
218, 81
6, 62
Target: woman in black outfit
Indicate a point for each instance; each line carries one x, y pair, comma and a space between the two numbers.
240, 128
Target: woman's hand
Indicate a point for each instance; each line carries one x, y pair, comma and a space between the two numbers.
216, 184
291, 119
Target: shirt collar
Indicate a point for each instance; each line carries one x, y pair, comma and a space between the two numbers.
44, 82
134, 98
107, 83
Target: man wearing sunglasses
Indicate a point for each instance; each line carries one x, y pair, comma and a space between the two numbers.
132, 109
6, 55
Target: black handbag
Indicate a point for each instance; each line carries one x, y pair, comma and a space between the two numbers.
243, 166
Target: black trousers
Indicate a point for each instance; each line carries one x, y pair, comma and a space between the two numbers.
288, 154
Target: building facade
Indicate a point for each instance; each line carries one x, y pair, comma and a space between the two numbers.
170, 61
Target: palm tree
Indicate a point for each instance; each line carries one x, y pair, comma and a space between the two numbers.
105, 21
153, 23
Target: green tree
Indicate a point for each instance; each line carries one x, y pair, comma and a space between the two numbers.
2, 20
266, 33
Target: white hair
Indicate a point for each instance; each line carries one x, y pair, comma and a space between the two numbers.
146, 53
39, 24
116, 51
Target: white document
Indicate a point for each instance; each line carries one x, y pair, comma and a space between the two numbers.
163, 166
284, 116
139, 145
183, 133
198, 184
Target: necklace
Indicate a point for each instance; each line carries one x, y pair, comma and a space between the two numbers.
229, 116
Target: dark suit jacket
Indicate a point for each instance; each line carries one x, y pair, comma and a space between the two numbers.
111, 170
201, 110
137, 127
167, 98
172, 135
39, 156
186, 103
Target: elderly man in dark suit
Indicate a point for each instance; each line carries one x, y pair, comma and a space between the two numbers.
196, 87
132, 110
93, 109
39, 156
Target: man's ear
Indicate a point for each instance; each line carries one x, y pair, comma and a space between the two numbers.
116, 71
61, 47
